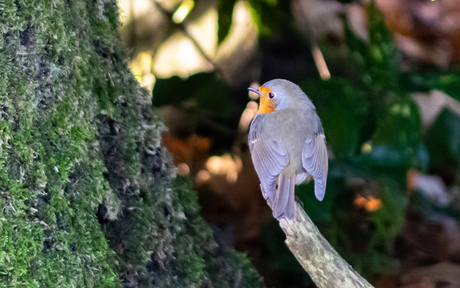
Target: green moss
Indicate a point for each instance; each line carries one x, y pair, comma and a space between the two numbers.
86, 190
51, 168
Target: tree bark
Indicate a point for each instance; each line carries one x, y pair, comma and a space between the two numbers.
324, 265
89, 196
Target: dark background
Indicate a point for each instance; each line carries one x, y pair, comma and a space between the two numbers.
384, 78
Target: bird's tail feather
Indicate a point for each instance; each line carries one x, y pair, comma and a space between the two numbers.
284, 204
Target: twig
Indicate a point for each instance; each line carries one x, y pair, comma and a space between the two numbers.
319, 61
183, 28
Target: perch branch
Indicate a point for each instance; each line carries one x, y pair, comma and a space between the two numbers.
324, 265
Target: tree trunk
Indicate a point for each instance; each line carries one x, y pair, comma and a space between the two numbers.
89, 197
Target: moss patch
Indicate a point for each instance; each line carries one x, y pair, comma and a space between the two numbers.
88, 195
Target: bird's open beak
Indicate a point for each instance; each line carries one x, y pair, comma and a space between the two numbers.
255, 90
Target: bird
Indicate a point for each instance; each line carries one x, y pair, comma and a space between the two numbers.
287, 145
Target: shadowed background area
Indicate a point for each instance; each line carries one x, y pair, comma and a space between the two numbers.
384, 78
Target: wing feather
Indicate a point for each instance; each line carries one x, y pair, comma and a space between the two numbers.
314, 161
269, 157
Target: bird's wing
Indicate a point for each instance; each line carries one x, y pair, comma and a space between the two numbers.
269, 156
314, 161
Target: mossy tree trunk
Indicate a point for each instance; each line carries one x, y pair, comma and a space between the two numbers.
89, 197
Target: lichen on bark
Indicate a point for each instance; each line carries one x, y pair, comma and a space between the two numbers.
88, 195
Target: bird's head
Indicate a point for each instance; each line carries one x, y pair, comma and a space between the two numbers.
277, 94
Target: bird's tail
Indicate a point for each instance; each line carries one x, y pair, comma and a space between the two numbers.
284, 204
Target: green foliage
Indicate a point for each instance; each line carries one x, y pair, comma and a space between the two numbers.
374, 130
368, 244
443, 139
447, 83
210, 94
400, 127
224, 14
342, 117
372, 126
269, 15
368, 107
375, 62
207, 102
390, 218
287, 271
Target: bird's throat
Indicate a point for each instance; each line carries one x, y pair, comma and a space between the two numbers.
267, 105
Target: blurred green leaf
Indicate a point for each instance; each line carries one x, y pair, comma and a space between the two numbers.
224, 16
343, 111
207, 103
414, 82
374, 63
209, 93
175, 89
171, 91
282, 261
383, 156
447, 83
270, 15
385, 160
365, 239
390, 218
374, 69
348, 1
400, 128
319, 211
443, 139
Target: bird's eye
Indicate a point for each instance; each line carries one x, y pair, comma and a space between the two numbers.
271, 95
